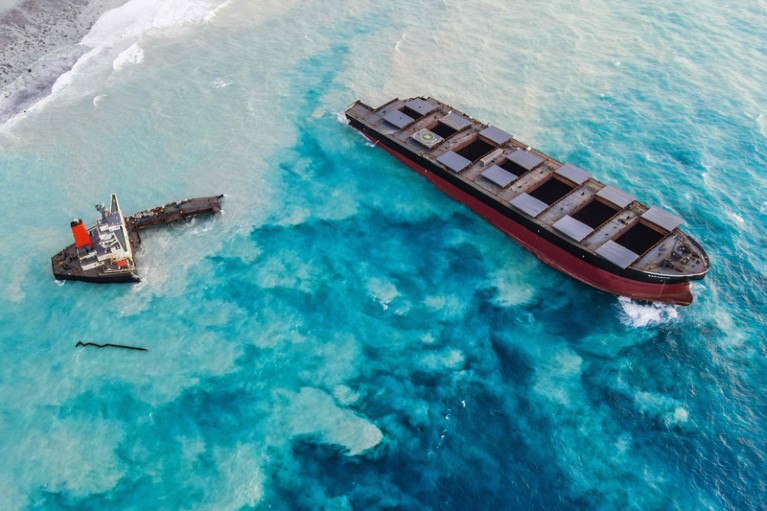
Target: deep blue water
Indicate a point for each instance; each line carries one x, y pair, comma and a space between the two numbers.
345, 336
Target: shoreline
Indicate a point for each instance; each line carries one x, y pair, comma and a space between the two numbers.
32, 29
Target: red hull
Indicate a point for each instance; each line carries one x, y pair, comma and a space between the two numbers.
554, 256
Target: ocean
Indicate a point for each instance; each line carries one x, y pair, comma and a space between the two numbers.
345, 336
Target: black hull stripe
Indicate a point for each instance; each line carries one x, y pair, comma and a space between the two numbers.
129, 278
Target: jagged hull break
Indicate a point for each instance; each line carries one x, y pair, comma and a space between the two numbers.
570, 221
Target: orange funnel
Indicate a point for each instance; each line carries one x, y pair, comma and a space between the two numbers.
82, 238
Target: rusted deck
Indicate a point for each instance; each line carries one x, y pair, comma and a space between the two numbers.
170, 213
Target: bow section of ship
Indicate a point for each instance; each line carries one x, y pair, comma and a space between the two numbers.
593, 232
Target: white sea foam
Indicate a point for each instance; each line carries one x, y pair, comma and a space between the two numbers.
132, 20
35, 28
736, 217
512, 288
639, 315
133, 55
43, 77
341, 117
116, 37
220, 83
558, 380
382, 291
667, 411
180, 13
449, 359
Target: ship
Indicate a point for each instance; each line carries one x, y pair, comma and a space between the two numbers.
595, 233
105, 252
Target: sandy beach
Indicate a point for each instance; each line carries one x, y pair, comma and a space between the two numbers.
33, 28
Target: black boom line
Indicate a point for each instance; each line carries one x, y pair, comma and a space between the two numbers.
108, 345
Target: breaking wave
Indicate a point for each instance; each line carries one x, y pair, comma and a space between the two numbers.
38, 81
638, 314
107, 30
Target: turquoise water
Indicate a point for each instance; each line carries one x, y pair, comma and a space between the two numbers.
345, 336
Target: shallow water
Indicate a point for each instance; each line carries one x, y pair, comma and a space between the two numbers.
344, 336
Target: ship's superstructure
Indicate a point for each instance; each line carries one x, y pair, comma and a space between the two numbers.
104, 253
593, 232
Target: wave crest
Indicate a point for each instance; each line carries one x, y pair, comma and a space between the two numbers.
637, 314
118, 31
